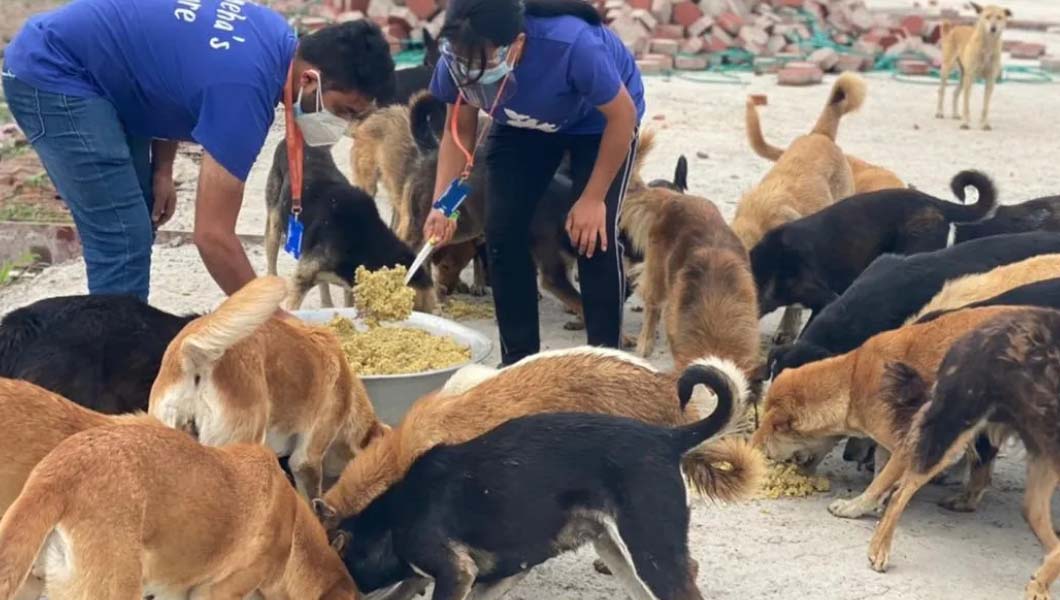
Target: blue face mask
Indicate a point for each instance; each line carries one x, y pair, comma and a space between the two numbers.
494, 74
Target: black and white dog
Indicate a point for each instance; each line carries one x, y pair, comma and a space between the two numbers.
483, 513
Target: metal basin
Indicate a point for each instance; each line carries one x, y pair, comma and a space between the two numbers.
392, 395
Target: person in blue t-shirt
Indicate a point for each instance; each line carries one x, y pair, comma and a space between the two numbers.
556, 81
105, 89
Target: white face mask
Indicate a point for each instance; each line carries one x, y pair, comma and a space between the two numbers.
320, 128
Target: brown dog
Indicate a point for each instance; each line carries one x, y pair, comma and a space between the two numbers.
240, 374
983, 286
383, 149
696, 267
811, 174
809, 409
976, 51
867, 176
120, 511
590, 380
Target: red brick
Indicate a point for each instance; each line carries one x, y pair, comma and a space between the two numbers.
669, 32
686, 13
850, 62
701, 26
717, 43
730, 22
665, 46
825, 58
753, 36
763, 65
1028, 51
697, 62
398, 31
423, 9
646, 18
693, 45
666, 59
913, 25
914, 67
641, 4
663, 10
1009, 45
791, 3
650, 67
800, 74
776, 44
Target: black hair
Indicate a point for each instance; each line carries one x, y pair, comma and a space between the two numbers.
352, 56
473, 25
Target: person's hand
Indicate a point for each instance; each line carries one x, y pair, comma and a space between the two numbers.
587, 222
165, 192
439, 229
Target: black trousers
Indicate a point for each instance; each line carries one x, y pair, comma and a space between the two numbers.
521, 164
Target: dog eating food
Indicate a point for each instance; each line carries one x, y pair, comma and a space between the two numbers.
786, 480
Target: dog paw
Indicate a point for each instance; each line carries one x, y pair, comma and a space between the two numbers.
601, 567
878, 556
628, 342
960, 502
477, 290
637, 308
459, 288
574, 325
1036, 591
846, 508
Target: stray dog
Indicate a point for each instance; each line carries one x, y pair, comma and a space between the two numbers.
407, 82
867, 176
1042, 214
969, 289
1045, 294
34, 422
697, 270
679, 183
127, 510
894, 288
976, 51
1000, 378
591, 380
343, 231
241, 375
812, 261
809, 409
102, 352
811, 174
560, 482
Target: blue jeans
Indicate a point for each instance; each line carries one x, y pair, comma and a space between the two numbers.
103, 175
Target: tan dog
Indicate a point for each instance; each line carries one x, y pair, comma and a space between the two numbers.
983, 286
241, 375
867, 176
34, 422
810, 175
976, 51
809, 409
120, 511
383, 149
588, 380
697, 269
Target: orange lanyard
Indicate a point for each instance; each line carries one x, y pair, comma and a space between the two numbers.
469, 156
295, 148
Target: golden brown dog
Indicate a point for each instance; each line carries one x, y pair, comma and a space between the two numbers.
34, 422
983, 286
588, 380
811, 174
697, 270
240, 374
976, 51
809, 409
120, 511
867, 176
383, 149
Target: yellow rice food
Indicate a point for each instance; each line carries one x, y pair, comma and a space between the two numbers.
396, 350
461, 310
787, 480
382, 295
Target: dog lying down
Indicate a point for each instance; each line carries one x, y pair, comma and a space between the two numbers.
127, 510
1002, 377
589, 380
483, 513
807, 410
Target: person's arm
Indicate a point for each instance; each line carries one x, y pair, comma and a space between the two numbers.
587, 219
451, 163
217, 204
163, 154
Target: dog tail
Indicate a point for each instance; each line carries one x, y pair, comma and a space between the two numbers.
754, 135
728, 384
426, 117
848, 94
23, 530
645, 144
236, 319
983, 208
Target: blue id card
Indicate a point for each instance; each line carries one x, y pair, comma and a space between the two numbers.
453, 197
293, 246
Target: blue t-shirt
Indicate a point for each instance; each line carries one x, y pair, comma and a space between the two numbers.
568, 68
211, 71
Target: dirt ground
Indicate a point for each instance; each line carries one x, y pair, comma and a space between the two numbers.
765, 549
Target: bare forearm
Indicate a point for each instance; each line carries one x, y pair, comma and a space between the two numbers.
225, 259
621, 116
163, 154
217, 205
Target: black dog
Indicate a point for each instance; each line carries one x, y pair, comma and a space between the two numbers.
407, 82
343, 229
894, 287
813, 260
1043, 294
1042, 214
102, 352
489, 510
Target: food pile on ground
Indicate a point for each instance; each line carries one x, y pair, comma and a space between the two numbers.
785, 480
380, 350
462, 310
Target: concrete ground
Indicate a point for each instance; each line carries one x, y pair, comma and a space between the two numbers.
781, 549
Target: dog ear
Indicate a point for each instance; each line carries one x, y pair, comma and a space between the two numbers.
1008, 13
978, 9
325, 512
339, 540
681, 174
